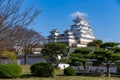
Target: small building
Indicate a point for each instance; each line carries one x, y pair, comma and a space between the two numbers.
79, 35
63, 65
37, 48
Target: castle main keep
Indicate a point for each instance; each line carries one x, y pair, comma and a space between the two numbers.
79, 35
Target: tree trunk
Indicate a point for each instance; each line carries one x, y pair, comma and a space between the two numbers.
108, 71
25, 59
84, 65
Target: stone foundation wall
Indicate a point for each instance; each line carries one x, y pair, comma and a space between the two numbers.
9, 61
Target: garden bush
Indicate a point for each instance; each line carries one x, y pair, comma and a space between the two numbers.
42, 70
10, 70
8, 55
69, 71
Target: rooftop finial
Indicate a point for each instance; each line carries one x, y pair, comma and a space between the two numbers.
78, 16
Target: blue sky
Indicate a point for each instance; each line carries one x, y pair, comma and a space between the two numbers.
103, 16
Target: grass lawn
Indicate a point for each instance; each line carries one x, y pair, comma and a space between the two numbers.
26, 76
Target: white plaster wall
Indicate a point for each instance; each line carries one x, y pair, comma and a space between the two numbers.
112, 69
63, 65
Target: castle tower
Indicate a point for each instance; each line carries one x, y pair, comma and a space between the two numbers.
70, 37
53, 37
82, 32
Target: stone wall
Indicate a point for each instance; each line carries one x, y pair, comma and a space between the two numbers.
9, 61
33, 58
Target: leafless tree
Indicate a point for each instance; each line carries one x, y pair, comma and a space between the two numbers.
11, 15
14, 23
26, 38
22, 39
31, 38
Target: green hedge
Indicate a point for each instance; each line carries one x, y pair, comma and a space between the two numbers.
42, 70
69, 71
10, 70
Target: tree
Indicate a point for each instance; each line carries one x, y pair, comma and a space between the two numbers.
12, 15
107, 55
65, 60
81, 55
95, 43
52, 50
115, 49
14, 26
117, 62
22, 39
109, 45
29, 38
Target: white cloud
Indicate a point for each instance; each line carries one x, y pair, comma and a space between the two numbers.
79, 14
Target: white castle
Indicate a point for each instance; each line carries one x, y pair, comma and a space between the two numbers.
79, 35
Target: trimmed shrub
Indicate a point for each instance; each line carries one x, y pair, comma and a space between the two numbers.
69, 71
8, 55
42, 70
10, 70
